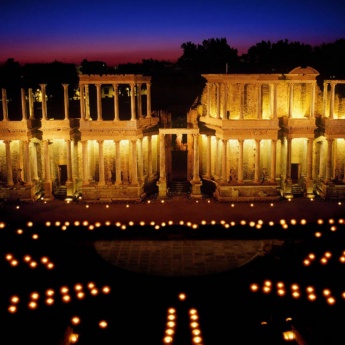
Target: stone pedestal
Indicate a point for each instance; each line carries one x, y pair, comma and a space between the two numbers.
288, 189
48, 190
70, 189
310, 189
196, 192
162, 189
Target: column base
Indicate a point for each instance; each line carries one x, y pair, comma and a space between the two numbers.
48, 190
162, 189
70, 189
196, 190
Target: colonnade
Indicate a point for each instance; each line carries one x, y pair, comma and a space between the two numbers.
220, 153
222, 90
135, 95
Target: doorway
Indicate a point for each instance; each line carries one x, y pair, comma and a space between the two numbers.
179, 165
295, 172
62, 170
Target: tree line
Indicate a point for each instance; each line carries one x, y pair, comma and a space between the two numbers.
183, 77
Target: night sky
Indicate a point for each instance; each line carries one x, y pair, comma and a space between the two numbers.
121, 31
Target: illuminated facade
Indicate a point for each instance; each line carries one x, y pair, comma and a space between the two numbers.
250, 137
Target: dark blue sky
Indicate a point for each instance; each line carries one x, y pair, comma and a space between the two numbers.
119, 31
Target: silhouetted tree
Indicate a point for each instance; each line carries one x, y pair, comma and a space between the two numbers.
95, 67
211, 57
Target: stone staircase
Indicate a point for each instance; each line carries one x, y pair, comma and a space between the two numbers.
179, 187
60, 192
296, 190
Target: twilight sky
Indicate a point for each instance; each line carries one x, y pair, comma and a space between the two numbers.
120, 31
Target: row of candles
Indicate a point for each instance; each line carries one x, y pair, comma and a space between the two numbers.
296, 291
171, 323
65, 294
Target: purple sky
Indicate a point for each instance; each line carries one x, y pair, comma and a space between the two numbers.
120, 31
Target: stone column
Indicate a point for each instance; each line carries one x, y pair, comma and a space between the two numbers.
69, 161
101, 180
241, 86
290, 99
288, 158
225, 101
216, 160
312, 100
44, 102
218, 100
31, 105
259, 108
23, 103
4, 105
134, 180
325, 91
208, 99
85, 147
139, 107
329, 159
273, 160
257, 161
69, 182
196, 172
9, 163
99, 102
162, 183
48, 189
140, 160
208, 157
118, 162
27, 172
133, 115
65, 101
273, 101
310, 159
87, 103
331, 107
34, 161
47, 177
240, 161
148, 100
116, 102
149, 156
82, 101
75, 160
224, 171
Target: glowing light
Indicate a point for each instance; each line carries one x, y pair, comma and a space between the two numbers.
182, 296
312, 297
106, 289
33, 264
75, 320
64, 289
78, 287
320, 221
27, 258
168, 339
57, 223
19, 231
194, 324
14, 299
318, 234
50, 292
14, 263
331, 300
80, 295
34, 236
326, 292
171, 311
48, 223
12, 308
29, 224
103, 324
44, 259
50, 265
94, 291
197, 340
32, 305
35, 295
66, 298
49, 301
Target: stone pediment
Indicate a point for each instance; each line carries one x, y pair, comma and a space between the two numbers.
304, 71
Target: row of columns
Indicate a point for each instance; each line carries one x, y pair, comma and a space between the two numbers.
221, 163
222, 113
332, 97
135, 91
136, 153
31, 169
